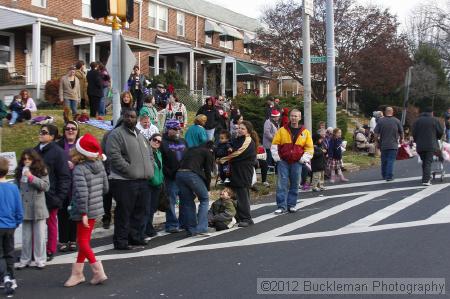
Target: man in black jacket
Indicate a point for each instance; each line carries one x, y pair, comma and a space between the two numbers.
426, 132
58, 171
173, 148
194, 179
95, 88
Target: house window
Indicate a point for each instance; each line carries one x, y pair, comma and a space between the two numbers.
157, 17
151, 64
226, 42
6, 49
162, 65
40, 3
180, 24
248, 49
86, 9
208, 38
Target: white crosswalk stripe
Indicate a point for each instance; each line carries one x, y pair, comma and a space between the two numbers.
279, 234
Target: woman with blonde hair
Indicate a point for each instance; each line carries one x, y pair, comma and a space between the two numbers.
196, 134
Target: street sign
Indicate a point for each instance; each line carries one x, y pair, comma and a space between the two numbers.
316, 59
308, 7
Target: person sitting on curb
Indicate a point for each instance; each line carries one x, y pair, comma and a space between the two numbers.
222, 212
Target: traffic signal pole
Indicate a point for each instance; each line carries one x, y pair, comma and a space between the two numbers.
307, 117
116, 68
331, 83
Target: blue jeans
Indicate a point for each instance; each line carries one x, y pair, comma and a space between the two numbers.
171, 216
192, 185
288, 173
102, 104
387, 163
14, 116
72, 104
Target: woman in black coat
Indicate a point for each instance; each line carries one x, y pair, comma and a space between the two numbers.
95, 89
213, 116
242, 162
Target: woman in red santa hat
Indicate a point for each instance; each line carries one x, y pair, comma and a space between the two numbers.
89, 184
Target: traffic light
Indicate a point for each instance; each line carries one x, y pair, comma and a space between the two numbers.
99, 8
130, 11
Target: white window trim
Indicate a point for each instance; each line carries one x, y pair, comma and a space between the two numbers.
223, 43
181, 16
11, 48
157, 16
33, 2
83, 3
165, 64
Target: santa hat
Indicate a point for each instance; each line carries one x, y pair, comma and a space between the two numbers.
88, 146
275, 113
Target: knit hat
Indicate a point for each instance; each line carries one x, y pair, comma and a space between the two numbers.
275, 113
88, 146
173, 124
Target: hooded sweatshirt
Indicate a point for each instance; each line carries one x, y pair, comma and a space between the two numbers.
212, 114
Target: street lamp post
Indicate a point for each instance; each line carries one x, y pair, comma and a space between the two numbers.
331, 84
308, 10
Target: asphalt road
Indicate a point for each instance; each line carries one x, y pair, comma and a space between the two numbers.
365, 228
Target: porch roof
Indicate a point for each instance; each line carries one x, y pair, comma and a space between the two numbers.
244, 68
169, 46
134, 43
13, 19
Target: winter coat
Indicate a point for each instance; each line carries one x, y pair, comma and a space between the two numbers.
11, 213
62, 143
223, 149
132, 83
66, 91
222, 211
95, 84
200, 161
130, 154
222, 122
242, 162
195, 136
176, 111
58, 172
3, 111
318, 162
158, 177
335, 149
172, 153
447, 120
213, 116
270, 128
152, 112
426, 132
89, 184
16, 106
30, 105
83, 83
290, 151
33, 197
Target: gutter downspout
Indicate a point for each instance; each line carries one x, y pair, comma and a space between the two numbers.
140, 30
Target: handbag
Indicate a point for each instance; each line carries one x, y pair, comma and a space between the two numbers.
163, 200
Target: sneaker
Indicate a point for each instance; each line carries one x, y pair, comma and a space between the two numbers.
243, 224
40, 266
49, 256
227, 181
64, 247
389, 180
315, 189
306, 187
72, 246
266, 184
427, 183
323, 188
280, 211
10, 285
202, 235
292, 210
20, 266
174, 230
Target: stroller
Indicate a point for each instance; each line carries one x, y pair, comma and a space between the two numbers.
437, 166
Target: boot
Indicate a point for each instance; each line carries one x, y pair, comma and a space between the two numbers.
99, 273
342, 177
77, 275
333, 178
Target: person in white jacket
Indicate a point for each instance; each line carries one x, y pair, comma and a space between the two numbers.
271, 126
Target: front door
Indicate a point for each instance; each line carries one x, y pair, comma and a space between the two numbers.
46, 58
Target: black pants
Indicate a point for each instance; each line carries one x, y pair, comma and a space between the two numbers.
107, 205
6, 252
138, 97
131, 197
83, 104
151, 208
94, 103
427, 159
67, 229
264, 169
219, 225
243, 204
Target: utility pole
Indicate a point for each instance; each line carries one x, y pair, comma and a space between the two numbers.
331, 84
405, 101
308, 10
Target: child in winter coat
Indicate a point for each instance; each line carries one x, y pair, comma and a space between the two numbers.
89, 184
222, 212
223, 149
318, 163
16, 108
10, 218
32, 179
335, 150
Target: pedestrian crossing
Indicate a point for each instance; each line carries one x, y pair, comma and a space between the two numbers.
313, 210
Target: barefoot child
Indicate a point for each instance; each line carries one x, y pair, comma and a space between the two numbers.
89, 184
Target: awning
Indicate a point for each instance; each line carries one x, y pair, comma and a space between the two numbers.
136, 45
13, 19
250, 69
211, 26
249, 37
231, 32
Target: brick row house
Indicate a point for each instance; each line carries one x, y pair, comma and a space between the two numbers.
208, 45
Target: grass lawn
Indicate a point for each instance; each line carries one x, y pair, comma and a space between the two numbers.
23, 135
361, 159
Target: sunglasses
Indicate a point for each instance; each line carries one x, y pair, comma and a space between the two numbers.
156, 140
43, 133
70, 129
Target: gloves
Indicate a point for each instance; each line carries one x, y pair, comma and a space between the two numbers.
306, 158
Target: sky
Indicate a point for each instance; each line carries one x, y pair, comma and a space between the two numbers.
402, 8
